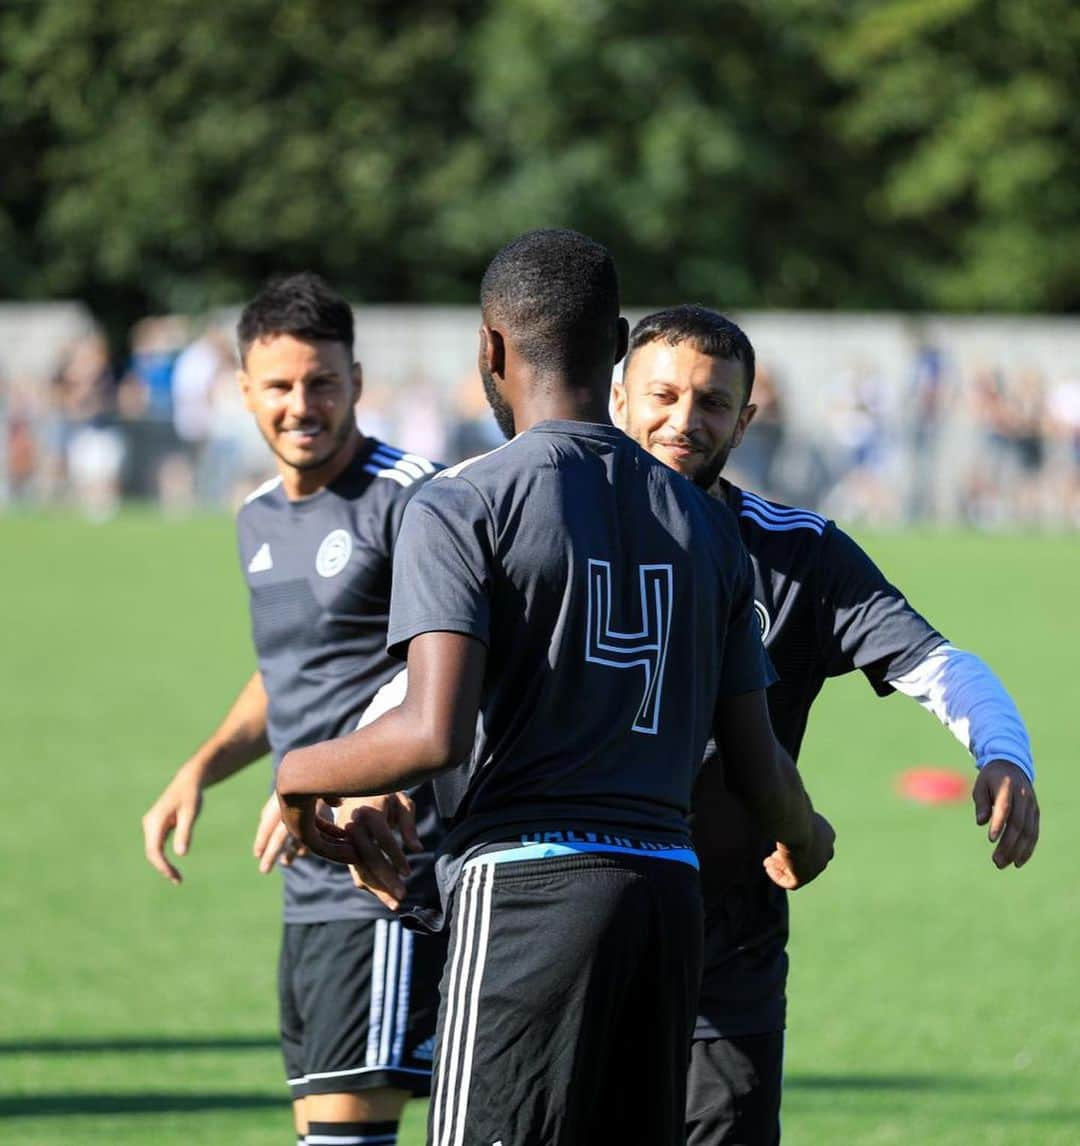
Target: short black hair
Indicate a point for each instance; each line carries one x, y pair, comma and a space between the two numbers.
303, 305
558, 294
706, 330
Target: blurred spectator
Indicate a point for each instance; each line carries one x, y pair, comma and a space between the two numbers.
156, 344
91, 446
7, 438
752, 464
1027, 429
985, 502
926, 408
203, 375
862, 450
1063, 410
194, 376
156, 462
234, 459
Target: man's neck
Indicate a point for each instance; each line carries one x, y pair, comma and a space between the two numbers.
554, 401
301, 484
721, 489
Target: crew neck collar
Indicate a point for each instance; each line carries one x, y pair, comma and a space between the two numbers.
603, 430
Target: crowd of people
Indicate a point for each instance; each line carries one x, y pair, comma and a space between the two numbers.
977, 443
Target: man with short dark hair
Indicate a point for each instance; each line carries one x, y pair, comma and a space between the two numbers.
357, 991
595, 611
825, 609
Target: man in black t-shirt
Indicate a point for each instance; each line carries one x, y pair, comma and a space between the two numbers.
825, 609
595, 611
357, 991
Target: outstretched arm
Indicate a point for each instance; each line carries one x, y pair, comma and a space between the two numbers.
765, 779
431, 730
239, 740
966, 696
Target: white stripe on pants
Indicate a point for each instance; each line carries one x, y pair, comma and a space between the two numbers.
472, 923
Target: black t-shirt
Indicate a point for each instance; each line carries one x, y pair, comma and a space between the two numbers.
825, 609
615, 600
318, 574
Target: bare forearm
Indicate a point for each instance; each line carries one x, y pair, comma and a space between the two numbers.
238, 741
773, 792
389, 754
760, 772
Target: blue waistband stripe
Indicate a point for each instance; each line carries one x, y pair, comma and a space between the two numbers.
553, 851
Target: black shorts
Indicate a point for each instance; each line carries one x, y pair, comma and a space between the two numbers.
568, 1002
733, 1091
358, 1000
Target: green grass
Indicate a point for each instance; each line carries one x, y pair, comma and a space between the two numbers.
933, 997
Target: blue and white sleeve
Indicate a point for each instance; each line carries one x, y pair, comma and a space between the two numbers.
964, 694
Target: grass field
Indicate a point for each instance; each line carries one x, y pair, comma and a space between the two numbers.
934, 999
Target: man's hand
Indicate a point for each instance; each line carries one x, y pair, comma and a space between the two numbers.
1005, 798
792, 868
176, 809
302, 819
375, 824
273, 843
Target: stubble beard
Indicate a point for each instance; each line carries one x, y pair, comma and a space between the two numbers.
704, 477
338, 443
504, 416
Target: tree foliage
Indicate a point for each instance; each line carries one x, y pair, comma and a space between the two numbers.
797, 153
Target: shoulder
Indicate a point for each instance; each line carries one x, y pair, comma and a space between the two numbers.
394, 467
264, 498
485, 479
263, 492
760, 517
482, 464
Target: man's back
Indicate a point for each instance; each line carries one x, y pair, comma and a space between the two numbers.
553, 591
595, 576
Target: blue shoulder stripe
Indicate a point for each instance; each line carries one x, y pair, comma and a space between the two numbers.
780, 512
751, 514
390, 451
378, 457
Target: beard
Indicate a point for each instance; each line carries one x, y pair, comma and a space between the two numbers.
504, 416
705, 477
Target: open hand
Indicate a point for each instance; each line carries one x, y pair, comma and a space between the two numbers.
175, 810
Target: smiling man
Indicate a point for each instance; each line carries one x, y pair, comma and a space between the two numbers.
358, 994
825, 609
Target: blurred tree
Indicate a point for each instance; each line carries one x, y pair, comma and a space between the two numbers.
171, 154
968, 111
786, 153
692, 138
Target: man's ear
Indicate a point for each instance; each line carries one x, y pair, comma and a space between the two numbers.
357, 380
618, 404
746, 416
493, 350
244, 382
622, 339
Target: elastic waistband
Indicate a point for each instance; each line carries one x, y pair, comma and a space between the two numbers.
518, 853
